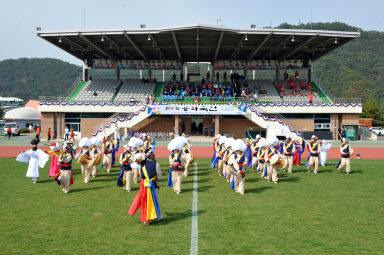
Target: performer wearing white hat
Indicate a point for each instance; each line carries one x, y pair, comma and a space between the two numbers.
289, 150
135, 144
36, 159
65, 178
220, 154
94, 152
228, 153
84, 158
238, 160
346, 151
261, 157
176, 162
188, 156
255, 150
107, 150
272, 168
314, 148
325, 146
126, 161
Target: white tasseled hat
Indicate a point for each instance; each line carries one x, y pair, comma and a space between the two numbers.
229, 142
262, 143
126, 147
218, 136
222, 139
258, 136
175, 144
95, 141
85, 142
135, 142
239, 145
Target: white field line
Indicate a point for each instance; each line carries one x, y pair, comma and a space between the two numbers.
194, 228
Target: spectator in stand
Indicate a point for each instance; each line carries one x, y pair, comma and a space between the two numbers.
95, 93
9, 132
232, 77
217, 76
174, 77
208, 76
255, 96
66, 133
244, 94
285, 75
211, 128
72, 136
132, 100
203, 80
49, 134
38, 133
225, 76
302, 85
30, 128
310, 98
188, 76
147, 100
297, 76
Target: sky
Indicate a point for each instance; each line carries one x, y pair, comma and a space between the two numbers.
19, 19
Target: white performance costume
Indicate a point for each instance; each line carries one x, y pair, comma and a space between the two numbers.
36, 160
323, 152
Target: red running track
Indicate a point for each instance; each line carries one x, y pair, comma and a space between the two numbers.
206, 152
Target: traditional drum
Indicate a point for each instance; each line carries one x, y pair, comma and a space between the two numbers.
96, 160
279, 162
84, 160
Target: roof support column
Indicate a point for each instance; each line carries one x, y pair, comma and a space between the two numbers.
117, 73
181, 72
149, 73
278, 70
217, 124
85, 71
310, 70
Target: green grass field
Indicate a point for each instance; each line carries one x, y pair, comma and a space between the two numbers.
328, 213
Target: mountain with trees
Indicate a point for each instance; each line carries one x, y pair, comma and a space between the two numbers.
30, 78
354, 70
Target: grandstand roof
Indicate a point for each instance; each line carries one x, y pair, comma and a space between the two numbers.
199, 43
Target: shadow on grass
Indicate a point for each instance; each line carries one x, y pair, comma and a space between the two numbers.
291, 179
103, 180
198, 181
85, 189
43, 181
356, 172
258, 190
170, 217
199, 189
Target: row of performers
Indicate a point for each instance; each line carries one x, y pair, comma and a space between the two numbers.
266, 156
89, 157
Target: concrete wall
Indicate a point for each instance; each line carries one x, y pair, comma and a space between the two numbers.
47, 121
87, 125
350, 118
158, 125
304, 124
236, 127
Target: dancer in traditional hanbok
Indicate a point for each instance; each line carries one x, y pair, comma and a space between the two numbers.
36, 159
135, 144
55, 153
176, 162
148, 197
325, 146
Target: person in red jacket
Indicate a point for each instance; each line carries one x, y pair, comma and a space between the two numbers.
9, 132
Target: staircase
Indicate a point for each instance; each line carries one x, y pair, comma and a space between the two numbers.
123, 120
275, 124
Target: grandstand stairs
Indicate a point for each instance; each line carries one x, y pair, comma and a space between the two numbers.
126, 120
275, 125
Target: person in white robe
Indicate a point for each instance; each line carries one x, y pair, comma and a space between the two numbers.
36, 159
325, 146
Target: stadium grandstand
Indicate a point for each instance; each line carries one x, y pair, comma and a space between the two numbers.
197, 78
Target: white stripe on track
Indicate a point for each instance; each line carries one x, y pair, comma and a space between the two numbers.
194, 228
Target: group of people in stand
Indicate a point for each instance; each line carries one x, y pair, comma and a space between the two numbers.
267, 156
